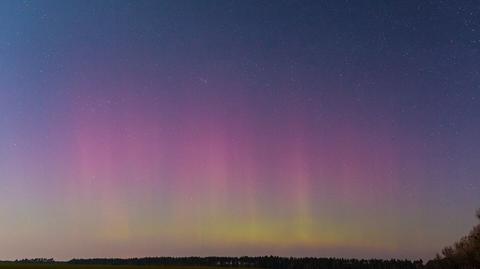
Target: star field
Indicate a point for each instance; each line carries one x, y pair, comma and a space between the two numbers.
295, 128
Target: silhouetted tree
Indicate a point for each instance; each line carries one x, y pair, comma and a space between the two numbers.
464, 254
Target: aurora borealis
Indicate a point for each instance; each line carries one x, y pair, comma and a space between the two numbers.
294, 128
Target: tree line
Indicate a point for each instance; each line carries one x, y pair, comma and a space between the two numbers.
261, 262
464, 254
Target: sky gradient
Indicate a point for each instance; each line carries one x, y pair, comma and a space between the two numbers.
294, 128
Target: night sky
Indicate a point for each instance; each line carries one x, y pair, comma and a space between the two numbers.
293, 128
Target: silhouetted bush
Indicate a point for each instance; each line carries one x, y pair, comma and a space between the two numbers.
464, 254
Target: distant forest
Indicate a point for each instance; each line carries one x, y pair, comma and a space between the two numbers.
464, 254
273, 262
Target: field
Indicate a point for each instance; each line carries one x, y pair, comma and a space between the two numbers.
74, 266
